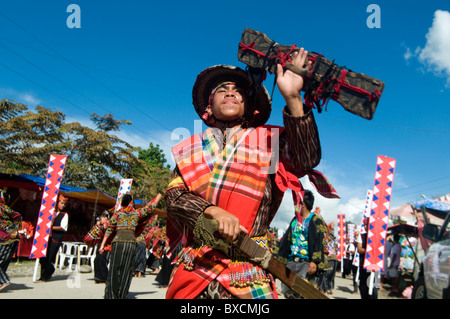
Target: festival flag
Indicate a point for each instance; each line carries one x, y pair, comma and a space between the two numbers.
356, 259
366, 214
379, 213
351, 233
341, 236
49, 197
368, 206
125, 186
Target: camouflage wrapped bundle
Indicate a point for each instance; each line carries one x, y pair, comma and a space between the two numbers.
356, 92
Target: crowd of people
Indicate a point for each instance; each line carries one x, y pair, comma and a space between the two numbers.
122, 240
128, 241
236, 172
309, 248
314, 255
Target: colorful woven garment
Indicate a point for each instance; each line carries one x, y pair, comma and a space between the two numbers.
9, 220
232, 177
229, 177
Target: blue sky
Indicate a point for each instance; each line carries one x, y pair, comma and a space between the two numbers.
138, 61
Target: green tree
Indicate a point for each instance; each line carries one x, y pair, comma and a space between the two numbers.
154, 175
96, 159
27, 138
154, 156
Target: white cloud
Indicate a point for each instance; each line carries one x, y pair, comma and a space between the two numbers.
29, 99
351, 203
129, 135
407, 55
435, 55
26, 98
161, 138
353, 209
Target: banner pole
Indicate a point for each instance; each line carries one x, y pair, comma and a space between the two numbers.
36, 264
357, 275
371, 279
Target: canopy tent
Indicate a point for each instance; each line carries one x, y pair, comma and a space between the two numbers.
408, 231
35, 183
437, 209
404, 210
30, 182
422, 212
434, 207
405, 213
405, 229
83, 206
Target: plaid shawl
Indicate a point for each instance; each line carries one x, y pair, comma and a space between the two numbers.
232, 178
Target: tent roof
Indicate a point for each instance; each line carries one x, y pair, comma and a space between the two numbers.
434, 207
404, 210
408, 230
34, 182
92, 196
30, 182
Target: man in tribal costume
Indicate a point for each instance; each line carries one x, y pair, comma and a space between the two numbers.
236, 173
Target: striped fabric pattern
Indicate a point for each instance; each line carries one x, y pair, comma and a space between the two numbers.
121, 269
237, 180
201, 163
239, 173
9, 220
6, 253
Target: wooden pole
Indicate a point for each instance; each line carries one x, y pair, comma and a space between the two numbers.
35, 269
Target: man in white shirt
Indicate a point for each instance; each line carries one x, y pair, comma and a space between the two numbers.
361, 245
59, 228
349, 254
395, 262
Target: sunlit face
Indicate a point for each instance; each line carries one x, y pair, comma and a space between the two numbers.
228, 103
62, 204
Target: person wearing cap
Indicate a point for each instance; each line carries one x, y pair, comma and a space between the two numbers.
60, 224
236, 173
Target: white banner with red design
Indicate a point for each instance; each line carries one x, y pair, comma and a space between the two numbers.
379, 213
351, 233
49, 200
125, 187
366, 213
341, 236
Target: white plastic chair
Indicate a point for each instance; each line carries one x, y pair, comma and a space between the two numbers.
67, 251
88, 253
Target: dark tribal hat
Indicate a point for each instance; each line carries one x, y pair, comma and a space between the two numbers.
259, 108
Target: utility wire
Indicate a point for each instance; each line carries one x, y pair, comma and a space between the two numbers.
81, 70
42, 87
424, 183
68, 61
97, 68
387, 126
